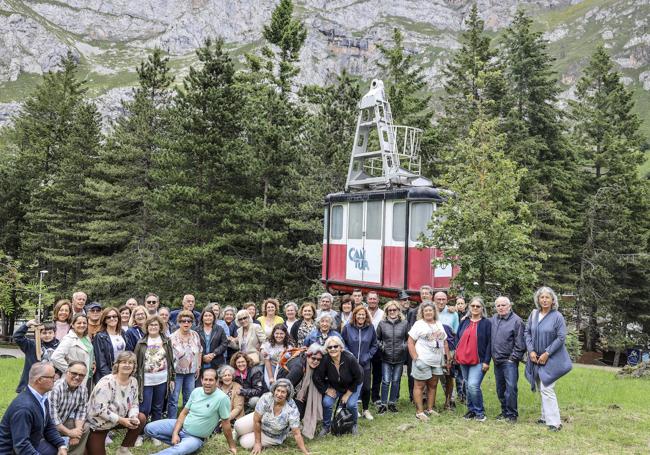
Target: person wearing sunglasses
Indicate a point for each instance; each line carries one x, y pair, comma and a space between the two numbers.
151, 303
392, 336
188, 353
250, 336
108, 343
68, 407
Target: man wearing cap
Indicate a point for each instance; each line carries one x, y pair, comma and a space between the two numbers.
325, 307
94, 313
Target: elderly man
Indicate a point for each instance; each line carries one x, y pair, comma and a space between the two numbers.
131, 303
79, 300
68, 402
426, 293
188, 304
377, 315
508, 347
325, 307
445, 316
26, 427
151, 303
206, 407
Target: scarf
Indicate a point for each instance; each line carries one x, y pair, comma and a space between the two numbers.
313, 405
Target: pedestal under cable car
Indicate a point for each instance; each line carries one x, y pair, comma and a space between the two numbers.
372, 229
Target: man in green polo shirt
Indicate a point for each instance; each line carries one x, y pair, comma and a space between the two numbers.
206, 407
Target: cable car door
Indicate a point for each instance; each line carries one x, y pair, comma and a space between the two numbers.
364, 254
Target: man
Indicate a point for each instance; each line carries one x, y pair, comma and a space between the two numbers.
131, 303
409, 314
206, 407
357, 298
151, 303
79, 302
48, 344
508, 348
94, 313
377, 315
68, 402
445, 316
426, 293
188, 304
26, 427
325, 307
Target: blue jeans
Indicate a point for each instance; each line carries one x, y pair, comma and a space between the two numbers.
473, 376
351, 404
184, 382
153, 400
391, 376
506, 375
163, 429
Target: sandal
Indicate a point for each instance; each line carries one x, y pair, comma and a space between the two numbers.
429, 412
422, 417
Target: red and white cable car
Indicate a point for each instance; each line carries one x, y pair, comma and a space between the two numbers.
372, 230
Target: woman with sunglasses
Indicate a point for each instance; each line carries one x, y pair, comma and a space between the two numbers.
188, 351
392, 335
339, 375
139, 317
107, 343
473, 355
250, 337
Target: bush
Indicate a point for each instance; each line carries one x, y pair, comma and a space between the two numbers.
573, 345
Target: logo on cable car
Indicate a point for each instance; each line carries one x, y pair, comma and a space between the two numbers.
359, 258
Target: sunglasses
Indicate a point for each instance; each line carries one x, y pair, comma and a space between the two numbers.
94, 310
112, 316
242, 319
392, 310
333, 347
185, 321
152, 301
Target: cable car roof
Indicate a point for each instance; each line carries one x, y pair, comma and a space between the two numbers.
409, 193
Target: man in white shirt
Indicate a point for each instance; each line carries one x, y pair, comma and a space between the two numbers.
377, 315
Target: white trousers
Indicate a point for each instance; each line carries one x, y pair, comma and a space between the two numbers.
244, 427
550, 408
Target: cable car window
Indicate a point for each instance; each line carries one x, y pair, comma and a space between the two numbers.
420, 216
399, 222
355, 229
373, 220
337, 222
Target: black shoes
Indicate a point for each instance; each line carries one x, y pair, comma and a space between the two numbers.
392, 407
554, 428
382, 409
469, 416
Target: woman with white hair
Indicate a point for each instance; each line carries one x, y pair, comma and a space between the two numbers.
226, 383
548, 358
291, 313
250, 337
322, 331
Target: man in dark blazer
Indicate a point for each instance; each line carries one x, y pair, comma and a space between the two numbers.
26, 427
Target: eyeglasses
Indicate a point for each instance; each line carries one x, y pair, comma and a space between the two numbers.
185, 321
76, 375
333, 347
112, 316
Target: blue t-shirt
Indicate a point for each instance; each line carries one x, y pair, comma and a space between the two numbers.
206, 411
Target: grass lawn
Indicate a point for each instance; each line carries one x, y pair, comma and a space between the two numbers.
601, 414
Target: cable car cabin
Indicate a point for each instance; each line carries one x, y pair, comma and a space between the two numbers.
371, 241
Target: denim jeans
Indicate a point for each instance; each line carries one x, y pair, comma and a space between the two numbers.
351, 404
506, 375
473, 376
153, 400
391, 376
184, 382
163, 429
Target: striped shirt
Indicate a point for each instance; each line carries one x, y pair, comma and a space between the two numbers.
67, 403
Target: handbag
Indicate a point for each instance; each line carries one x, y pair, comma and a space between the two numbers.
342, 421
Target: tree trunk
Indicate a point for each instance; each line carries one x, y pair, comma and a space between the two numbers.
617, 358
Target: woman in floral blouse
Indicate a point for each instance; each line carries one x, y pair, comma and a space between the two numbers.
114, 404
186, 345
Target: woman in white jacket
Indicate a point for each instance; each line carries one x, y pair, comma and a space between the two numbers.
75, 346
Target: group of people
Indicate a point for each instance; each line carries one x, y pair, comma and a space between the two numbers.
257, 378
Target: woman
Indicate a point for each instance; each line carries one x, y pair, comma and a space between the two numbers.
125, 317
249, 376
251, 307
308, 399
216, 310
227, 384
361, 338
271, 350
62, 316
392, 336
291, 313
136, 330
168, 326
114, 404
75, 346
229, 316
188, 351
339, 375
322, 331
155, 370
250, 337
427, 345
270, 318
548, 358
305, 324
346, 310
275, 415
108, 343
473, 354
213, 340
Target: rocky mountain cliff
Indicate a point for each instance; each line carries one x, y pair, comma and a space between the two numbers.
111, 36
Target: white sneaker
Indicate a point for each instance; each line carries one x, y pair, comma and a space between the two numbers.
108, 440
367, 415
156, 442
123, 451
139, 441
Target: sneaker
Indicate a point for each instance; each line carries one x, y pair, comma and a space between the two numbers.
139, 441
377, 402
324, 432
500, 417
382, 409
367, 415
480, 418
541, 422
392, 407
469, 416
156, 442
554, 428
123, 451
422, 417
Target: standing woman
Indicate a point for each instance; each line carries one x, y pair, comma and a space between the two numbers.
473, 353
125, 317
213, 340
305, 324
291, 312
346, 310
62, 316
360, 337
136, 331
229, 315
270, 318
271, 351
392, 335
75, 346
427, 345
249, 336
187, 360
108, 343
216, 310
168, 326
548, 358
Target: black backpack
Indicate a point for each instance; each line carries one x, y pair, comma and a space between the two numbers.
342, 421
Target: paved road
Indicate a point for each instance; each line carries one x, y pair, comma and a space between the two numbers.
12, 352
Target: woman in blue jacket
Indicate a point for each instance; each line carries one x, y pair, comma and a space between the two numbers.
360, 338
473, 353
548, 358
